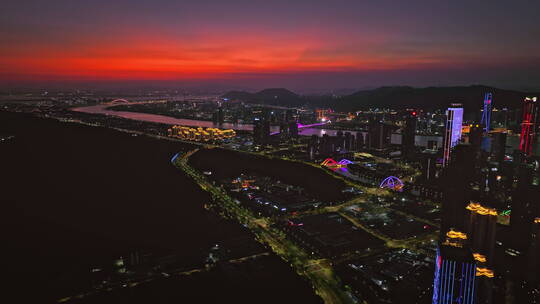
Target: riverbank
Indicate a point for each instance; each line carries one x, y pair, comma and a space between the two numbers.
76, 197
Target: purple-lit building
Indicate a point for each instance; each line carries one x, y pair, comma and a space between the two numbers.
454, 120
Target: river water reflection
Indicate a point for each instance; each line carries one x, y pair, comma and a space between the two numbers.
104, 109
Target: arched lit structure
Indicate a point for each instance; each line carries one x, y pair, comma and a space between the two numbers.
345, 162
328, 163
119, 101
332, 164
392, 183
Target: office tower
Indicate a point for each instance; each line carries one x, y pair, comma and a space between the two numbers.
261, 129
484, 283
350, 142
455, 276
475, 136
524, 206
360, 141
220, 115
456, 179
339, 141
408, 134
498, 148
257, 131
379, 135
528, 125
327, 146
480, 229
486, 113
454, 119
428, 163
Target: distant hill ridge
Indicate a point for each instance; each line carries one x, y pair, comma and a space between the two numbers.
273, 96
391, 96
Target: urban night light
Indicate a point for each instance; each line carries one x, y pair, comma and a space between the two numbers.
238, 151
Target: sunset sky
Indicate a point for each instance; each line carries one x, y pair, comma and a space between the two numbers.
301, 44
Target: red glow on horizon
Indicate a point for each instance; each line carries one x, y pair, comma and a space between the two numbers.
169, 59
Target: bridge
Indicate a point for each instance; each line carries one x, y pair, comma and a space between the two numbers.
120, 100
334, 165
392, 183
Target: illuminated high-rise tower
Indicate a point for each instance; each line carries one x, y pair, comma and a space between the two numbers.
486, 114
456, 193
408, 134
454, 119
528, 125
455, 276
480, 229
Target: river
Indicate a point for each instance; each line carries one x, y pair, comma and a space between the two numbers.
104, 109
76, 197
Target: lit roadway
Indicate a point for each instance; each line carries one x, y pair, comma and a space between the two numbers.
412, 243
318, 271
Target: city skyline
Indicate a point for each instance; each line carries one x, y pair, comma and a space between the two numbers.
249, 151
253, 44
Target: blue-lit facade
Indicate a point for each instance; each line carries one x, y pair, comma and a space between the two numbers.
455, 276
486, 113
454, 120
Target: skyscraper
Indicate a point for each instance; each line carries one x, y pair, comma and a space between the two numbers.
475, 136
480, 229
408, 134
261, 128
528, 125
486, 113
498, 148
379, 135
428, 163
456, 179
350, 142
454, 119
455, 276
524, 206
